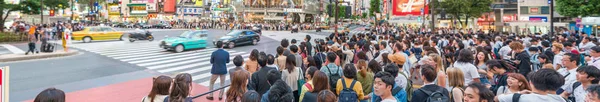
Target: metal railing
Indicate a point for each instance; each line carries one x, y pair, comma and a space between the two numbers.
211, 91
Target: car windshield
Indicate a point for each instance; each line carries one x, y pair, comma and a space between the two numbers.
186, 34
233, 33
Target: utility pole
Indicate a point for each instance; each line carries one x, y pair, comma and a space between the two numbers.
432, 9
551, 2
72, 10
42, 10
336, 9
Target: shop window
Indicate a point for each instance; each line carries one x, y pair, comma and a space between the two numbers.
545, 10
524, 10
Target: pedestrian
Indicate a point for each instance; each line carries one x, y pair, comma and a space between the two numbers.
586, 76
50, 95
259, 79
429, 90
238, 85
66, 37
252, 62
476, 92
251, 96
219, 60
180, 91
160, 89
543, 82
383, 86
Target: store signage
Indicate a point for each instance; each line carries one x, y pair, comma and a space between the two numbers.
534, 10
292, 10
409, 7
538, 19
138, 1
4, 83
113, 9
152, 16
138, 10
151, 6
190, 10
509, 18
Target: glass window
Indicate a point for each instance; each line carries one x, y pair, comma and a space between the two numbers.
94, 29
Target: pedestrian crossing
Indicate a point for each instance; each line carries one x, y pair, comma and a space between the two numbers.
150, 56
353, 32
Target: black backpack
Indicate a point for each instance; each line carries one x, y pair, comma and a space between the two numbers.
333, 78
436, 96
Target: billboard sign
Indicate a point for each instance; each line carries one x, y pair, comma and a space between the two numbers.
409, 7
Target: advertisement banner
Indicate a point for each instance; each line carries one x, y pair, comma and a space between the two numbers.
113, 9
199, 3
136, 10
151, 6
169, 6
409, 7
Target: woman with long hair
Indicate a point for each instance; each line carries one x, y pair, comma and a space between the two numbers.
515, 83
456, 81
180, 92
160, 89
291, 74
501, 71
374, 66
321, 83
481, 58
238, 86
50, 95
252, 63
365, 76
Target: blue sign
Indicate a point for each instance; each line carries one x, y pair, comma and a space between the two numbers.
549, 1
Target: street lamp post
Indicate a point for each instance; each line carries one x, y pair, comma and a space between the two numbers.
42, 10
551, 2
72, 10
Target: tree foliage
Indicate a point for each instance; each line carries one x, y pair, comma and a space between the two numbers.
57, 4
25, 7
374, 7
465, 8
575, 8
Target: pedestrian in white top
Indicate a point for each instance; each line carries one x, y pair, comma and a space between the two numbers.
557, 50
594, 60
465, 64
569, 60
585, 45
586, 76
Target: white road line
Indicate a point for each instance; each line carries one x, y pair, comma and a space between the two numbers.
165, 60
207, 83
208, 67
156, 55
13, 49
188, 61
198, 64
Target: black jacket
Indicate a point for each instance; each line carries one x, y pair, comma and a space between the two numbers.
420, 96
308, 48
259, 80
310, 97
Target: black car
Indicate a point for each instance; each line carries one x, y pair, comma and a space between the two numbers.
162, 26
239, 37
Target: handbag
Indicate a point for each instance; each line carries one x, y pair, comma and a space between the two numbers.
301, 81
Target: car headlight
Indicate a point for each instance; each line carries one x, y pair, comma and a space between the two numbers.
226, 40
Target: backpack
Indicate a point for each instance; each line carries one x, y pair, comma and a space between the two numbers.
348, 94
572, 97
435, 96
409, 90
333, 78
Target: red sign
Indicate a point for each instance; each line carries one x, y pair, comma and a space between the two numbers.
533, 10
409, 7
51, 12
169, 6
508, 18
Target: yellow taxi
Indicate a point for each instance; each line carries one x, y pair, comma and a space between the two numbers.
97, 33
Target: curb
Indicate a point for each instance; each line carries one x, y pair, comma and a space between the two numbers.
22, 57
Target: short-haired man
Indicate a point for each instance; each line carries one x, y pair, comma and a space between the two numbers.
259, 79
570, 62
219, 60
428, 74
586, 76
383, 85
595, 56
593, 93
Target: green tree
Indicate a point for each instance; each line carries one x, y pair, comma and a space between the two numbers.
466, 9
575, 8
374, 7
342, 12
25, 7
56, 4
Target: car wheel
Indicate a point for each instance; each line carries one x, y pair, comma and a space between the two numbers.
121, 38
254, 41
178, 48
231, 45
87, 39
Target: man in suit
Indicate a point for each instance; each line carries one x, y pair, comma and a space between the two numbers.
428, 75
219, 60
259, 81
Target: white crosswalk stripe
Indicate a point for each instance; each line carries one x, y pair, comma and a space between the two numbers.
150, 56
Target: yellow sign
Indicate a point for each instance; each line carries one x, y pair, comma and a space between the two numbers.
199, 3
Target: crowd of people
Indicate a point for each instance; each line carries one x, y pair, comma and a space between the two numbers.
397, 64
244, 25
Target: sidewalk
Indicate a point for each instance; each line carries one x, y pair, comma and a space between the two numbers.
130, 91
22, 56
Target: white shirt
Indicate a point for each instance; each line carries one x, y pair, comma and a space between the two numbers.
595, 62
504, 51
570, 77
586, 47
531, 98
557, 59
579, 93
469, 70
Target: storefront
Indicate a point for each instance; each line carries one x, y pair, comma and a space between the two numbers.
114, 14
486, 23
138, 13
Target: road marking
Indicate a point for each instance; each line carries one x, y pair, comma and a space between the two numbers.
13, 49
